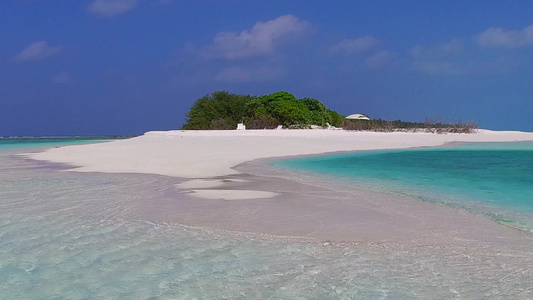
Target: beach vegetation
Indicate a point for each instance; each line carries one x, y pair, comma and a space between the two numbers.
222, 110
431, 125
334, 118
437, 125
287, 109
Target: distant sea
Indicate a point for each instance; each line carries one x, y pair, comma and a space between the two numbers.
41, 143
492, 179
67, 235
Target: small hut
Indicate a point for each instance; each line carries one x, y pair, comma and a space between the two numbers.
357, 117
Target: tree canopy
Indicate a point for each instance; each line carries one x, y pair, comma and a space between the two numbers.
222, 110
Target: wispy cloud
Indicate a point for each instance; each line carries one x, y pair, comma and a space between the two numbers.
238, 74
61, 78
441, 59
262, 39
37, 51
353, 46
109, 8
456, 58
379, 59
499, 37
447, 49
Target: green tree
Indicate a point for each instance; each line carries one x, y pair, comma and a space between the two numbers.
314, 104
334, 118
287, 109
220, 110
317, 111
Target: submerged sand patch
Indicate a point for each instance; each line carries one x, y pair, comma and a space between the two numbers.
205, 183
232, 194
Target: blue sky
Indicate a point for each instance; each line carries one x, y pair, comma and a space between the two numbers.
124, 67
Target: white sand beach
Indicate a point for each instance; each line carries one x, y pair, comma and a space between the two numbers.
204, 154
203, 163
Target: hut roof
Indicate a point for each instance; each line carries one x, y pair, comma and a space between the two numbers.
357, 117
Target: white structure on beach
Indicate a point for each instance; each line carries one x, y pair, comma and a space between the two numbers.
241, 126
357, 117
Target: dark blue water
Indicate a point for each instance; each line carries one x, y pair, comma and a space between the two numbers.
495, 179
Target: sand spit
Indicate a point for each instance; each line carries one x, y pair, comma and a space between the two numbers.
206, 154
208, 189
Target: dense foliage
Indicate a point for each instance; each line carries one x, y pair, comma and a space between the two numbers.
222, 110
219, 110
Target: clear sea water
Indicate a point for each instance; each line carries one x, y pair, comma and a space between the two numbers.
493, 179
67, 235
42, 143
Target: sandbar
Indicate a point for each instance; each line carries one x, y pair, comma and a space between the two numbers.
213, 167
206, 154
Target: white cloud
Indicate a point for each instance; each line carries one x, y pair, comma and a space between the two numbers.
262, 39
61, 78
37, 51
238, 74
451, 48
353, 46
499, 37
447, 58
379, 59
109, 8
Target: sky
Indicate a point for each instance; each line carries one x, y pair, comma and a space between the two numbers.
125, 67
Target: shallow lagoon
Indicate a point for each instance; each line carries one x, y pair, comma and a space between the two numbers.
494, 179
80, 236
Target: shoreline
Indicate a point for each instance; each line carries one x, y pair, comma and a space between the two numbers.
82, 225
247, 198
204, 154
445, 216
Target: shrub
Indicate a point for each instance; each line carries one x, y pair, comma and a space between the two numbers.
262, 122
217, 111
436, 125
288, 112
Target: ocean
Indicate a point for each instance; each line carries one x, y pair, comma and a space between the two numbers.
491, 179
67, 235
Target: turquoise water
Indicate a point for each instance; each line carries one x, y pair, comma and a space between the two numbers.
495, 179
66, 235
21, 143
